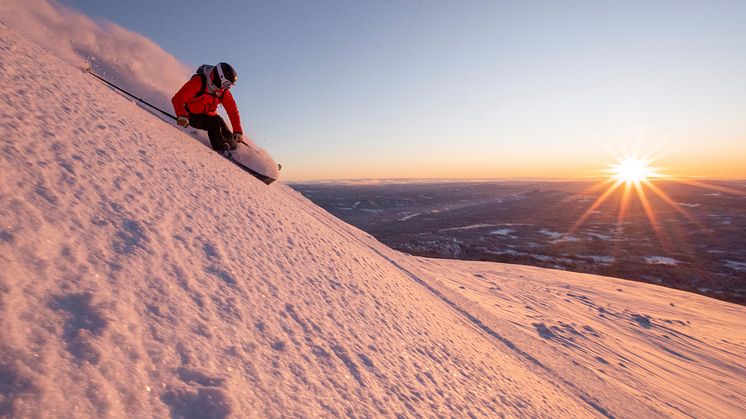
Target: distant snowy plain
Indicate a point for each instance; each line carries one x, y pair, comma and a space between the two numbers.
145, 276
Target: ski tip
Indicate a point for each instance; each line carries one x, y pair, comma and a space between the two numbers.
264, 178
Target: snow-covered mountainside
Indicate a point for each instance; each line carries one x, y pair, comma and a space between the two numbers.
145, 276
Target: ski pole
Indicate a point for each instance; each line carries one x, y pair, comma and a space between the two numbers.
89, 71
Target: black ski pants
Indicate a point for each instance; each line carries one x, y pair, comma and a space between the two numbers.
216, 129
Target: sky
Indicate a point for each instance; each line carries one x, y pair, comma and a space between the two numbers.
442, 89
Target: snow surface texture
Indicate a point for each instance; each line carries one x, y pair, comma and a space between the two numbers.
142, 283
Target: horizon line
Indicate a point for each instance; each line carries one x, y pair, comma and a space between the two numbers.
500, 179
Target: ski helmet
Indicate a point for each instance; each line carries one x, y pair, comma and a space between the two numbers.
224, 76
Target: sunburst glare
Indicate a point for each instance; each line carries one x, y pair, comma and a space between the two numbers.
636, 174
633, 170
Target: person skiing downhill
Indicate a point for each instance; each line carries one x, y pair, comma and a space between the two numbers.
197, 101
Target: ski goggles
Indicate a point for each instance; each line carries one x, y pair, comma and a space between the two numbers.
224, 82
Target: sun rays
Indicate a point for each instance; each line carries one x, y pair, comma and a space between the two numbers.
631, 176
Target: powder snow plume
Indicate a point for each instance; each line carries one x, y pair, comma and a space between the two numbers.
124, 57
139, 283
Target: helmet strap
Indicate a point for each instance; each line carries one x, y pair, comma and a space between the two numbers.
224, 83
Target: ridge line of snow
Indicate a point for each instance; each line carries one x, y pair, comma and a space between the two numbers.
477, 322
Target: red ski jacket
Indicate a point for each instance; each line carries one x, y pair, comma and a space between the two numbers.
188, 101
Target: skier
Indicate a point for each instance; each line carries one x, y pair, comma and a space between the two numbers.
197, 101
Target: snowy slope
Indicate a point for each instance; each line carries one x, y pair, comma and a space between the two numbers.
144, 276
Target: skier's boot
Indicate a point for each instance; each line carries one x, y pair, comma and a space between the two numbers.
230, 143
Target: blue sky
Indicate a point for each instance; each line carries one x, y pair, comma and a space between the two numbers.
348, 89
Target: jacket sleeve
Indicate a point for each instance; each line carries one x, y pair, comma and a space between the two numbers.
187, 91
232, 110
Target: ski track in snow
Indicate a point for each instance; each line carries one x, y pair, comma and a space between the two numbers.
145, 276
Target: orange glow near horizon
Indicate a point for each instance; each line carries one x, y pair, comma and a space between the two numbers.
514, 167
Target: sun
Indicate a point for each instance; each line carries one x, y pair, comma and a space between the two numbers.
632, 170
632, 177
